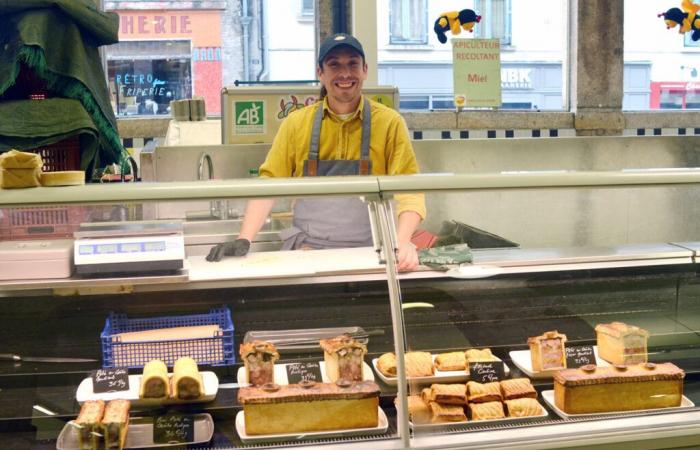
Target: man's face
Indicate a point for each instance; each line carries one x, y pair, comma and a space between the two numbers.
342, 73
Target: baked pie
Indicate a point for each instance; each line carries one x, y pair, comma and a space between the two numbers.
517, 388
419, 364
451, 361
427, 395
344, 357
418, 411
523, 407
387, 364
449, 394
479, 355
486, 411
259, 358
484, 392
446, 413
547, 351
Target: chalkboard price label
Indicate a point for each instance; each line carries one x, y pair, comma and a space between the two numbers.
486, 372
110, 380
304, 371
173, 429
579, 356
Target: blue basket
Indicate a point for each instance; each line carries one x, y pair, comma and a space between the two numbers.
216, 350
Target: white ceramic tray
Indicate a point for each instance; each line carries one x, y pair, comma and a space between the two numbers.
280, 375
522, 360
381, 428
440, 376
140, 433
548, 397
85, 392
433, 426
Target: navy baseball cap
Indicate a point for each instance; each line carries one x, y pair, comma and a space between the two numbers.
336, 41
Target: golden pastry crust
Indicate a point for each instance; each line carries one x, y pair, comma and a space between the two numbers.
259, 358
619, 329
484, 392
486, 411
547, 351
344, 358
419, 364
342, 342
427, 395
154, 381
418, 410
588, 375
451, 361
449, 394
523, 407
387, 364
446, 413
479, 355
619, 343
259, 347
253, 395
517, 388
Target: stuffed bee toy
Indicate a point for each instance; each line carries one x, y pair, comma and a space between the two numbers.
455, 21
687, 19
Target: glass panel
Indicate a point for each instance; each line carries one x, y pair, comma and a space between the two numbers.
661, 66
531, 61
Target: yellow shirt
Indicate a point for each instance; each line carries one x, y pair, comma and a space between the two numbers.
390, 149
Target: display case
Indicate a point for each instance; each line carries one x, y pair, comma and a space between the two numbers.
294, 299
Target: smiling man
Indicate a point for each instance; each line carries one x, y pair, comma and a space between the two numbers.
345, 133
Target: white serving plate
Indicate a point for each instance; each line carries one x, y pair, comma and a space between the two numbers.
85, 392
382, 426
548, 397
140, 433
440, 376
280, 375
433, 426
522, 360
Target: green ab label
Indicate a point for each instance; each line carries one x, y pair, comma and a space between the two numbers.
249, 117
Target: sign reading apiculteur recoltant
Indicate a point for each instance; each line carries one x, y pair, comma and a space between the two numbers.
476, 65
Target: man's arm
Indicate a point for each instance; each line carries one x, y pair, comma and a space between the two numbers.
256, 213
406, 255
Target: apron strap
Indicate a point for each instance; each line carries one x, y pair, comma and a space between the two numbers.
366, 131
316, 134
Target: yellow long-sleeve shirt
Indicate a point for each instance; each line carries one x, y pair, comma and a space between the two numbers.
390, 149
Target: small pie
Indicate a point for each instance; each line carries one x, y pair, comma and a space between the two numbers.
484, 392
446, 413
523, 407
387, 364
486, 411
451, 361
518, 388
449, 394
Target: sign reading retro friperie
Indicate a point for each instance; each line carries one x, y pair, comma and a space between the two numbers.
476, 69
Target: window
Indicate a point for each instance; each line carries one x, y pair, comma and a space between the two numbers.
408, 22
307, 8
498, 24
689, 42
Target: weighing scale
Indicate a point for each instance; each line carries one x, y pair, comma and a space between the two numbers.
142, 248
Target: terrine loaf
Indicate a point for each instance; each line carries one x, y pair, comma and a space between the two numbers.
114, 424
154, 381
344, 357
88, 422
187, 381
547, 351
259, 358
309, 406
592, 389
619, 343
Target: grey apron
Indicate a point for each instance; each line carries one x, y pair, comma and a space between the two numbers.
332, 222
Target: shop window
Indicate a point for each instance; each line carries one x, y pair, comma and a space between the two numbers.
497, 23
307, 9
408, 22
417, 103
689, 42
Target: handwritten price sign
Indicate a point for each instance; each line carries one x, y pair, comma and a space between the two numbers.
486, 372
173, 429
306, 371
579, 356
110, 380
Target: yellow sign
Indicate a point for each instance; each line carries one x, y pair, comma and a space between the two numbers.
476, 66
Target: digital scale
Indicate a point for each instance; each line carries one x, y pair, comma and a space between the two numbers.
142, 248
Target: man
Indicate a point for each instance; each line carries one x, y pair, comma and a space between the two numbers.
344, 134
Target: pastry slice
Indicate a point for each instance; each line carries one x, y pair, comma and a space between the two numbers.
451, 361
479, 355
187, 381
446, 413
418, 410
259, 358
449, 394
114, 424
486, 411
387, 364
154, 381
484, 392
344, 357
523, 407
88, 422
419, 364
518, 388
427, 395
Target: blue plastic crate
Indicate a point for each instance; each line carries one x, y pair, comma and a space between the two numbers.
217, 350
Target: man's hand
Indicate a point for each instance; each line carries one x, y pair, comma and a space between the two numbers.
239, 247
406, 257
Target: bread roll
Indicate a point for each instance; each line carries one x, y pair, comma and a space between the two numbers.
154, 381
187, 381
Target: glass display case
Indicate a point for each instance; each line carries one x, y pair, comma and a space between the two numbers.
79, 297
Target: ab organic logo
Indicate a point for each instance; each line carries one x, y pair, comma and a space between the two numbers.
249, 117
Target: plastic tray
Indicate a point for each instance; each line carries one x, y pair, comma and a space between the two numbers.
288, 341
522, 360
548, 397
216, 350
85, 392
140, 433
381, 428
440, 376
280, 375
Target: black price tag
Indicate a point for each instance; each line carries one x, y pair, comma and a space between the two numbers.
303, 371
110, 380
579, 356
486, 372
173, 429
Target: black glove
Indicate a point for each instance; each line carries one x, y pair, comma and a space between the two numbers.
239, 247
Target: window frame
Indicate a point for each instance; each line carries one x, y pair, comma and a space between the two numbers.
423, 27
484, 29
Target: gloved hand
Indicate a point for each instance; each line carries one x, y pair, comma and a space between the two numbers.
239, 247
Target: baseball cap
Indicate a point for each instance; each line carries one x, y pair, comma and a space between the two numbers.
336, 41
